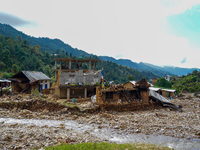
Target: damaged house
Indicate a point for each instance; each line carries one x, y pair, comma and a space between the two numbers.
4, 84
75, 78
128, 96
131, 96
25, 81
168, 93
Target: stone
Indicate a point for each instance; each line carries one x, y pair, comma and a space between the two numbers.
116, 127
25, 112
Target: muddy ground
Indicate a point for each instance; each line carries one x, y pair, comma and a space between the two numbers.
157, 121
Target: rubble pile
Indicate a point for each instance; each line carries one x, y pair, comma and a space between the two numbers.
158, 121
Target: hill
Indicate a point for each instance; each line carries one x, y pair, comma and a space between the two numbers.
59, 47
189, 83
46, 44
16, 55
158, 70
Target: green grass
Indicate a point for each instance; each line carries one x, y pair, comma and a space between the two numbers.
107, 146
69, 105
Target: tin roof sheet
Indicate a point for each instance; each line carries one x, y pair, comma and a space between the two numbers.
35, 76
158, 96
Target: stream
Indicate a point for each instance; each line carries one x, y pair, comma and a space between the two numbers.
113, 135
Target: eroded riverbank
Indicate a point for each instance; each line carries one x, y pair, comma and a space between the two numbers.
25, 129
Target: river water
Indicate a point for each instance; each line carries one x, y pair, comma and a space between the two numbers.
112, 134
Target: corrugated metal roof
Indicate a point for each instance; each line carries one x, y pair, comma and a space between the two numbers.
35, 76
4, 80
158, 96
168, 90
133, 82
154, 89
163, 100
157, 89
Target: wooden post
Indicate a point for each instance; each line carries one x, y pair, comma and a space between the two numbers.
85, 94
70, 64
68, 93
89, 65
55, 70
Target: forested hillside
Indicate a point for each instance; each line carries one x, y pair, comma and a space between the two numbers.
16, 55
59, 47
158, 70
46, 44
189, 83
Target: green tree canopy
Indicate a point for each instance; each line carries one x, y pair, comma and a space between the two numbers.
130, 77
161, 82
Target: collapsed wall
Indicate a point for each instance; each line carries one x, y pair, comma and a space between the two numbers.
124, 97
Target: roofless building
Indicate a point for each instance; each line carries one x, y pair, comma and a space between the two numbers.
76, 78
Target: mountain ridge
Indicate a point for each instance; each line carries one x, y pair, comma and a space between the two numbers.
161, 71
52, 45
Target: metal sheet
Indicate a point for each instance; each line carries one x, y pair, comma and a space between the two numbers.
35, 76
158, 96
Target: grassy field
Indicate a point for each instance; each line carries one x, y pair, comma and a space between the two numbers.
107, 146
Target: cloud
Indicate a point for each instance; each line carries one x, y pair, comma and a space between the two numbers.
184, 60
12, 20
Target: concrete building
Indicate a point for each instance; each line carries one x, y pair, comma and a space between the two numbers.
75, 78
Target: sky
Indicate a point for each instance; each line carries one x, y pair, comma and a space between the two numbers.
160, 32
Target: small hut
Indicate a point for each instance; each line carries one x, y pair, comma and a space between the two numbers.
25, 81
128, 95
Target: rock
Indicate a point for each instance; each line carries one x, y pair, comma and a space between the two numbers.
62, 125
74, 117
7, 138
137, 131
64, 110
116, 127
45, 111
8, 99
198, 133
14, 109
100, 127
25, 112
99, 122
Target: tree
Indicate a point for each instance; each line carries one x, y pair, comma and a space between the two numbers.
15, 68
195, 72
2, 66
36, 49
58, 51
6, 75
70, 55
6, 57
63, 52
163, 83
19, 39
66, 53
130, 77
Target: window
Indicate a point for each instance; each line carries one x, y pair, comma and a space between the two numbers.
109, 95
